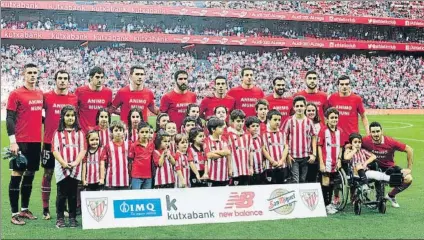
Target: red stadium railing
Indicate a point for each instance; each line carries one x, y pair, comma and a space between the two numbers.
208, 40
208, 12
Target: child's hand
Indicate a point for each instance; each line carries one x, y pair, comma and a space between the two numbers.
183, 185
65, 165
84, 183
198, 177
230, 172
72, 164
322, 168
205, 177
251, 171
101, 182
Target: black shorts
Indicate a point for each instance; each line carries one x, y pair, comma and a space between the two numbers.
47, 158
32, 152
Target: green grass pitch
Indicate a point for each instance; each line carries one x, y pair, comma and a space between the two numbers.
404, 222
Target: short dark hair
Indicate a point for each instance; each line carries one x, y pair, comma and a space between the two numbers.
375, 124
117, 124
142, 125
310, 72
213, 123
136, 67
100, 111
220, 77
299, 98
237, 113
277, 79
246, 69
159, 136
158, 118
316, 118
251, 120
178, 73
261, 102
62, 72
330, 111
189, 119
343, 77
220, 106
271, 113
30, 65
95, 70
192, 134
353, 136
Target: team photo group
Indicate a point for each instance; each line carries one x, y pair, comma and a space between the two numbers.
231, 137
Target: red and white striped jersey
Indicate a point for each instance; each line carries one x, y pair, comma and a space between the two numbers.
198, 158
68, 144
105, 136
116, 157
360, 157
274, 143
240, 151
92, 161
165, 174
262, 127
331, 143
218, 168
173, 147
299, 135
134, 135
182, 163
256, 151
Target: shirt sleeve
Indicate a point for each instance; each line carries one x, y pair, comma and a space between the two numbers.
156, 156
164, 104
398, 146
12, 102
190, 157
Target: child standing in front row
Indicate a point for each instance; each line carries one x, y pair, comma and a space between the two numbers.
182, 162
164, 161
103, 120
115, 155
196, 154
256, 152
69, 148
91, 178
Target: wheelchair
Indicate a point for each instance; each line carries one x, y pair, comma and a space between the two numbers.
370, 195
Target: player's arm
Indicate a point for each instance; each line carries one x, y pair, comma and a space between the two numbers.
164, 104
84, 172
171, 158
349, 152
194, 169
365, 122
203, 108
370, 159
229, 165
10, 125
285, 154
267, 156
103, 159
153, 108
251, 156
339, 158
114, 108
409, 156
321, 163
314, 149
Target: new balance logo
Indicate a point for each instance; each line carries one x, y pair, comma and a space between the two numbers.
242, 200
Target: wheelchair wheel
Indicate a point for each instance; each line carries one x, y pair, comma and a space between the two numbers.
341, 190
382, 207
357, 207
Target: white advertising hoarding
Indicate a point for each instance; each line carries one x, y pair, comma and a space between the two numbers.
159, 207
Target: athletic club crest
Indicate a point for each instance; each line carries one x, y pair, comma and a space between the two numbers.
309, 198
97, 208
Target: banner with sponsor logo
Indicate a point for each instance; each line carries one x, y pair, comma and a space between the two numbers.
208, 12
142, 208
209, 40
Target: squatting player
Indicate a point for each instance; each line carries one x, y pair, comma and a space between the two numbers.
384, 148
23, 121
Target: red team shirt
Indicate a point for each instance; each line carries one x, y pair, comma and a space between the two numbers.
283, 105
142, 160
245, 99
89, 102
165, 174
240, 150
274, 142
299, 135
92, 161
319, 98
208, 105
53, 104
127, 98
218, 169
116, 157
349, 107
175, 105
182, 163
198, 158
385, 152
28, 105
331, 142
256, 150
69, 145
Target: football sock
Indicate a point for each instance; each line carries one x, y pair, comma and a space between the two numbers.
26, 190
15, 181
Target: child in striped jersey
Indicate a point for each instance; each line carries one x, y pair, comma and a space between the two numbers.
115, 155
103, 120
163, 161
171, 129
135, 116
262, 109
69, 148
183, 163
91, 179
196, 154
256, 150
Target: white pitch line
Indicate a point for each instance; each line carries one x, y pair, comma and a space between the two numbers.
408, 125
410, 139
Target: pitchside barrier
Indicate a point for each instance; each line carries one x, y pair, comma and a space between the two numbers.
160, 207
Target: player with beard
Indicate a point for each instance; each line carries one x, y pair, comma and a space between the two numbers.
53, 103
247, 94
23, 122
134, 95
219, 98
349, 106
175, 102
312, 94
277, 100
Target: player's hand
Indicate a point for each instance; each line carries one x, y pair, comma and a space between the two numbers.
84, 183
14, 148
321, 168
205, 177
230, 172
290, 160
198, 177
73, 164
281, 163
312, 159
65, 165
274, 164
406, 171
101, 182
251, 171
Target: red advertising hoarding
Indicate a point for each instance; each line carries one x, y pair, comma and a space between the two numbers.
208, 12
210, 40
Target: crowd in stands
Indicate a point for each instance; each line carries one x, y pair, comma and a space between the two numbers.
396, 9
383, 82
108, 22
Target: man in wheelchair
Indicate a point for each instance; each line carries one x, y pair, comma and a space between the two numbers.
384, 148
